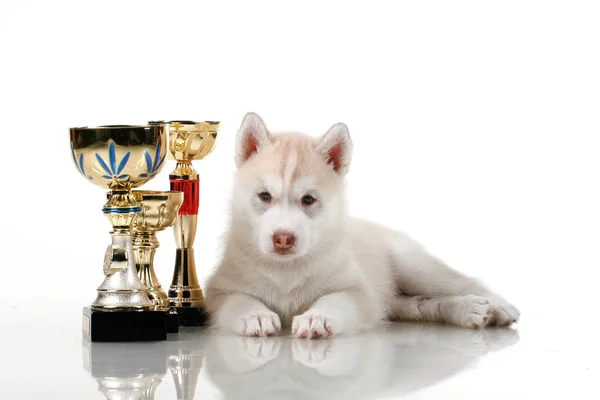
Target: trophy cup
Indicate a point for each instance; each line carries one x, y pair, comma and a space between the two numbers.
188, 141
120, 158
159, 210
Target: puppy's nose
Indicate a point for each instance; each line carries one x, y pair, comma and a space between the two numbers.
283, 240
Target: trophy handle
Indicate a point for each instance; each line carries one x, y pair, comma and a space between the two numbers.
115, 259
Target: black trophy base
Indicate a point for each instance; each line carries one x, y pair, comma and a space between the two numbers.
172, 322
124, 326
191, 316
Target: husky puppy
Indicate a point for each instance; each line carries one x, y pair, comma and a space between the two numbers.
294, 258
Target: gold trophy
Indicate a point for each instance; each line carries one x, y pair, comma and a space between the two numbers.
159, 211
188, 141
120, 158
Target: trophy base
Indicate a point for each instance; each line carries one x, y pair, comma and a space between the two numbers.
124, 326
191, 316
172, 322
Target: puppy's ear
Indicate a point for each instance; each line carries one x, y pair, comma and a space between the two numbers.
251, 137
336, 146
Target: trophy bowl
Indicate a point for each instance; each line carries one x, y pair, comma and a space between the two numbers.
119, 156
159, 209
190, 140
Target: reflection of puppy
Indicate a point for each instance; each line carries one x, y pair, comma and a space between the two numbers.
294, 257
396, 359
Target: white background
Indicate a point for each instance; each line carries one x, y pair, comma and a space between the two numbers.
475, 127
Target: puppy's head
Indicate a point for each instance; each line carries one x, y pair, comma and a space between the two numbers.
289, 193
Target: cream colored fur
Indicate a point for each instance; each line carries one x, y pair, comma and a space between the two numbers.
345, 274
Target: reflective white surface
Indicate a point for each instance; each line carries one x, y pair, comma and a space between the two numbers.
44, 356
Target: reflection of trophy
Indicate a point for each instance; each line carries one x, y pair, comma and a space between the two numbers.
120, 158
135, 370
188, 141
159, 210
185, 360
126, 371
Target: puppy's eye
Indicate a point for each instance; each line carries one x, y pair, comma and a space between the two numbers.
307, 200
265, 196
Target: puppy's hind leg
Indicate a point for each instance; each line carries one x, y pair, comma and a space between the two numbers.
467, 311
418, 273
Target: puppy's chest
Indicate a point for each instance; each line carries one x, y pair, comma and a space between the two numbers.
287, 296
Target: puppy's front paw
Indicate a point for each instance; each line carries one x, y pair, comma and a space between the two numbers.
260, 324
504, 314
312, 326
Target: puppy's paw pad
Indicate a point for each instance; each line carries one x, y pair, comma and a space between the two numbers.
474, 312
312, 326
261, 324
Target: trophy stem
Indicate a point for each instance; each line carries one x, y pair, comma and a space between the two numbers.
121, 289
144, 248
185, 294
185, 290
